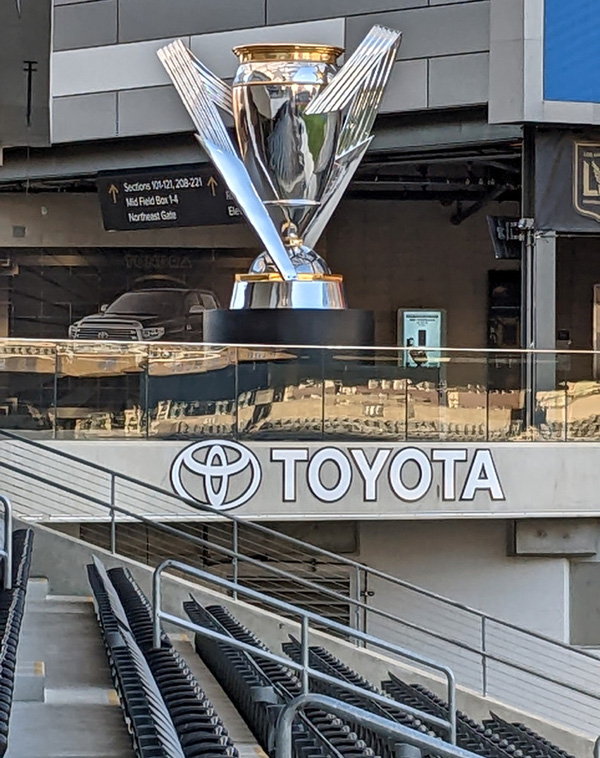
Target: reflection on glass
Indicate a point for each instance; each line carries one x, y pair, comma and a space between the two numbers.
100, 390
103, 390
27, 386
280, 394
365, 396
191, 391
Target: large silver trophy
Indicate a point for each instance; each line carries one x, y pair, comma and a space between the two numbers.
303, 125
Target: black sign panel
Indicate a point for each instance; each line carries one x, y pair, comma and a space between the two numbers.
166, 197
567, 184
506, 237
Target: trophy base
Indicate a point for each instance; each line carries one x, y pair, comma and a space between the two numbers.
269, 290
289, 326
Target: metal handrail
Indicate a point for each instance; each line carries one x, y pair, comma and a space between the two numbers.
306, 617
6, 550
387, 728
266, 567
333, 557
166, 346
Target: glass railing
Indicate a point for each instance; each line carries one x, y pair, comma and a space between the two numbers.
93, 390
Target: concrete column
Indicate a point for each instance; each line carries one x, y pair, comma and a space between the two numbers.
540, 308
544, 308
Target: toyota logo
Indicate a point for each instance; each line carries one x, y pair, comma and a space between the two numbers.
229, 474
102, 335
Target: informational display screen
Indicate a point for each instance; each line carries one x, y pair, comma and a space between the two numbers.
419, 331
166, 197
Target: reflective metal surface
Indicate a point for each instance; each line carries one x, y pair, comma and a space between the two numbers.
254, 291
302, 127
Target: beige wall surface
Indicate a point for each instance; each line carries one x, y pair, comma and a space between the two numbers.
468, 562
392, 254
408, 255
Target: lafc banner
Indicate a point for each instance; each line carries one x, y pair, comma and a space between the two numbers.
567, 187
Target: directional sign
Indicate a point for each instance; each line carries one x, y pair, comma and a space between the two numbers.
166, 197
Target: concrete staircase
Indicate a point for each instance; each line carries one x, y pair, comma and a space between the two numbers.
65, 705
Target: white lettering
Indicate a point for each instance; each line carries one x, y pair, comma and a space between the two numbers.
449, 459
482, 477
370, 471
289, 457
344, 473
410, 494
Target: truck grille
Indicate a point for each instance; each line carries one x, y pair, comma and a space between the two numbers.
113, 332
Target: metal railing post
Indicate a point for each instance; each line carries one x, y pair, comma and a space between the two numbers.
234, 557
305, 654
6, 551
357, 597
452, 705
156, 601
483, 659
113, 523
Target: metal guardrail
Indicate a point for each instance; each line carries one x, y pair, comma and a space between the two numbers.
402, 735
490, 656
6, 549
304, 668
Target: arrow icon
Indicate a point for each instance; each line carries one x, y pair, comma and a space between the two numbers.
113, 191
213, 184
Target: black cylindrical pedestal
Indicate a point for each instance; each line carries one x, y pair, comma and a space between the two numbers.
288, 326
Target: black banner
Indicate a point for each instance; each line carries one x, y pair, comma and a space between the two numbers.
166, 197
506, 236
567, 181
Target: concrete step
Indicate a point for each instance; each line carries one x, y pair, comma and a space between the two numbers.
80, 715
30, 682
37, 589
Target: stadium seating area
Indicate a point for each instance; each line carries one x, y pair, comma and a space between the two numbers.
168, 713
12, 607
163, 705
493, 739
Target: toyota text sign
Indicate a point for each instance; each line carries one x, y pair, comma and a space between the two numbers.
224, 475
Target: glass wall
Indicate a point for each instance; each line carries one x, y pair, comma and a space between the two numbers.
95, 390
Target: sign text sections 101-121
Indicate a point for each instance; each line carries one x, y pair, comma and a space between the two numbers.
164, 198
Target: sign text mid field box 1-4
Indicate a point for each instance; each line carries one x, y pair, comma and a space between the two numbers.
166, 197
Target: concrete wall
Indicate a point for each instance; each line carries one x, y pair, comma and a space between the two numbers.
107, 81
468, 562
408, 255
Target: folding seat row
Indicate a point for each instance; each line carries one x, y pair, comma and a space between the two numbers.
316, 733
12, 608
162, 687
139, 710
198, 726
492, 739
254, 696
526, 739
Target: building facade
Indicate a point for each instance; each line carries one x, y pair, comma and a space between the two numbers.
471, 473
